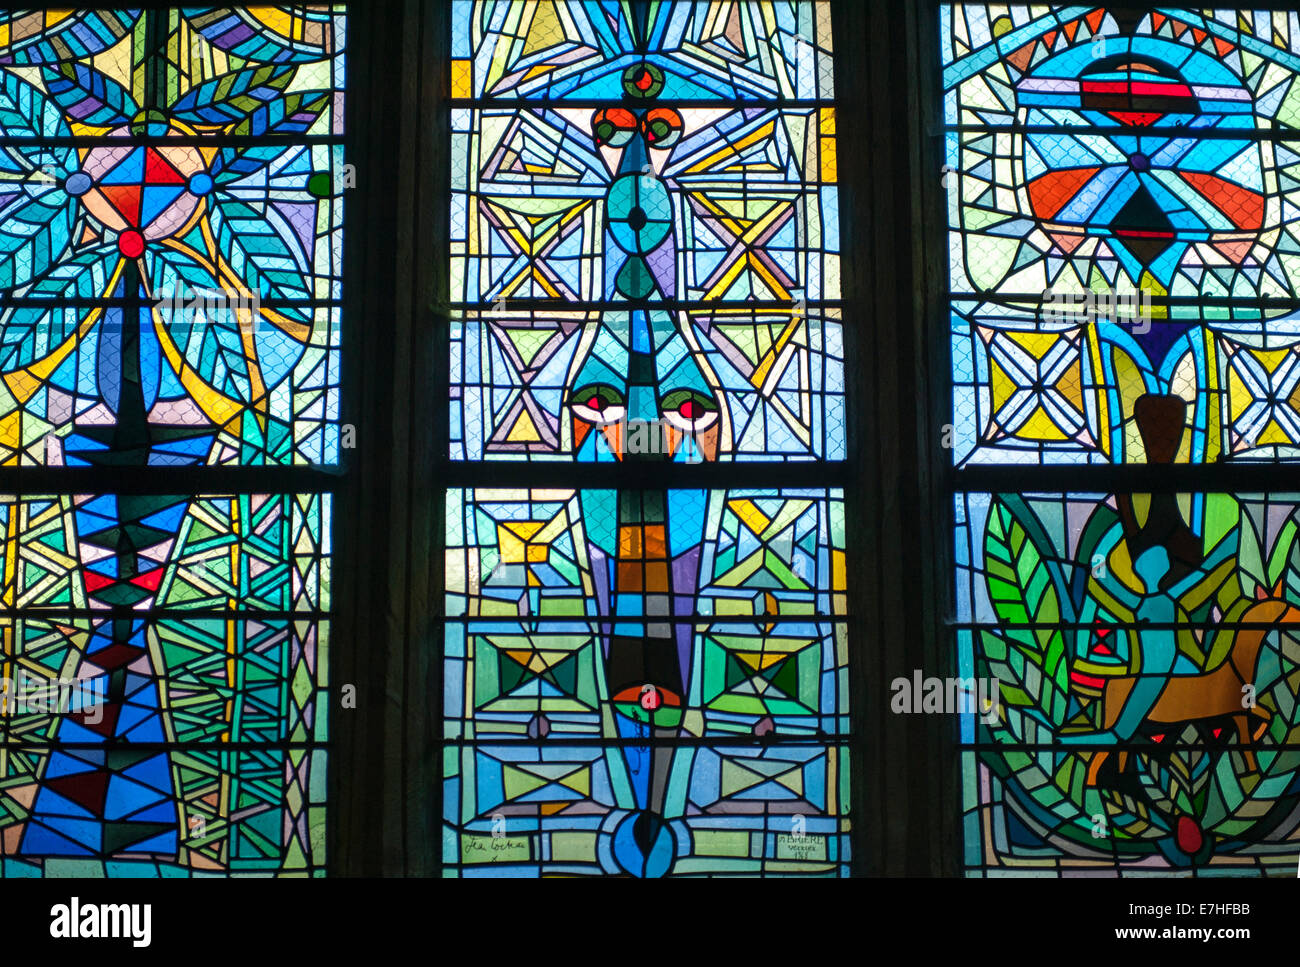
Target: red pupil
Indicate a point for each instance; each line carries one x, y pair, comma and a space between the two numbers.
596, 403
688, 409
643, 79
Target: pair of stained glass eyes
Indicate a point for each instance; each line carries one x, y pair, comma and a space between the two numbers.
687, 410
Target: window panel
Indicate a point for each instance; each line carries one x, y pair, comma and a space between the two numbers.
647, 679
1122, 272
170, 286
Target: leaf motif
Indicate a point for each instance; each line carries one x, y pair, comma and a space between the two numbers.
210, 342
74, 37
1291, 574
1170, 785
1219, 581
1130, 817
213, 339
1101, 524
230, 98
36, 232
292, 114
264, 260
1250, 555
227, 29
1034, 775
1281, 552
31, 333
1025, 588
36, 214
88, 96
1032, 700
1023, 585
25, 112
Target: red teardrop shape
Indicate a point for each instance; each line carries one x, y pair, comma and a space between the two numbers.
1188, 835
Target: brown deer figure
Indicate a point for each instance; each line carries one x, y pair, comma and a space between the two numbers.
1215, 693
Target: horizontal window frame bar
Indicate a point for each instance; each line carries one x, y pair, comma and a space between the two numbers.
54, 613
1223, 134
1120, 747
675, 619
1036, 298
128, 302
1244, 479
486, 307
651, 475
35, 482
776, 740
1119, 626
179, 140
193, 745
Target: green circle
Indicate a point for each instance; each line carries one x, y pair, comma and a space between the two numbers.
638, 212
318, 185
643, 81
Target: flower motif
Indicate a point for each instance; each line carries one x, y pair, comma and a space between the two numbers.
154, 204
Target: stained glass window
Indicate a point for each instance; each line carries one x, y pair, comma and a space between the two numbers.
644, 664
1121, 199
170, 245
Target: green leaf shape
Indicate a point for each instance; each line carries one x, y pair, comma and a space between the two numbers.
1026, 588
1170, 781
230, 98
1281, 551
292, 114
1291, 574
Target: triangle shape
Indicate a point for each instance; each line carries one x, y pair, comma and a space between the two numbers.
126, 199
157, 170
129, 171
155, 200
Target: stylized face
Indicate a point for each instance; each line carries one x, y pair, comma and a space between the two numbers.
636, 382
1147, 196
636, 392
643, 393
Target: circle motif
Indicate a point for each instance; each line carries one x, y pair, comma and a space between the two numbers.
643, 81
640, 213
